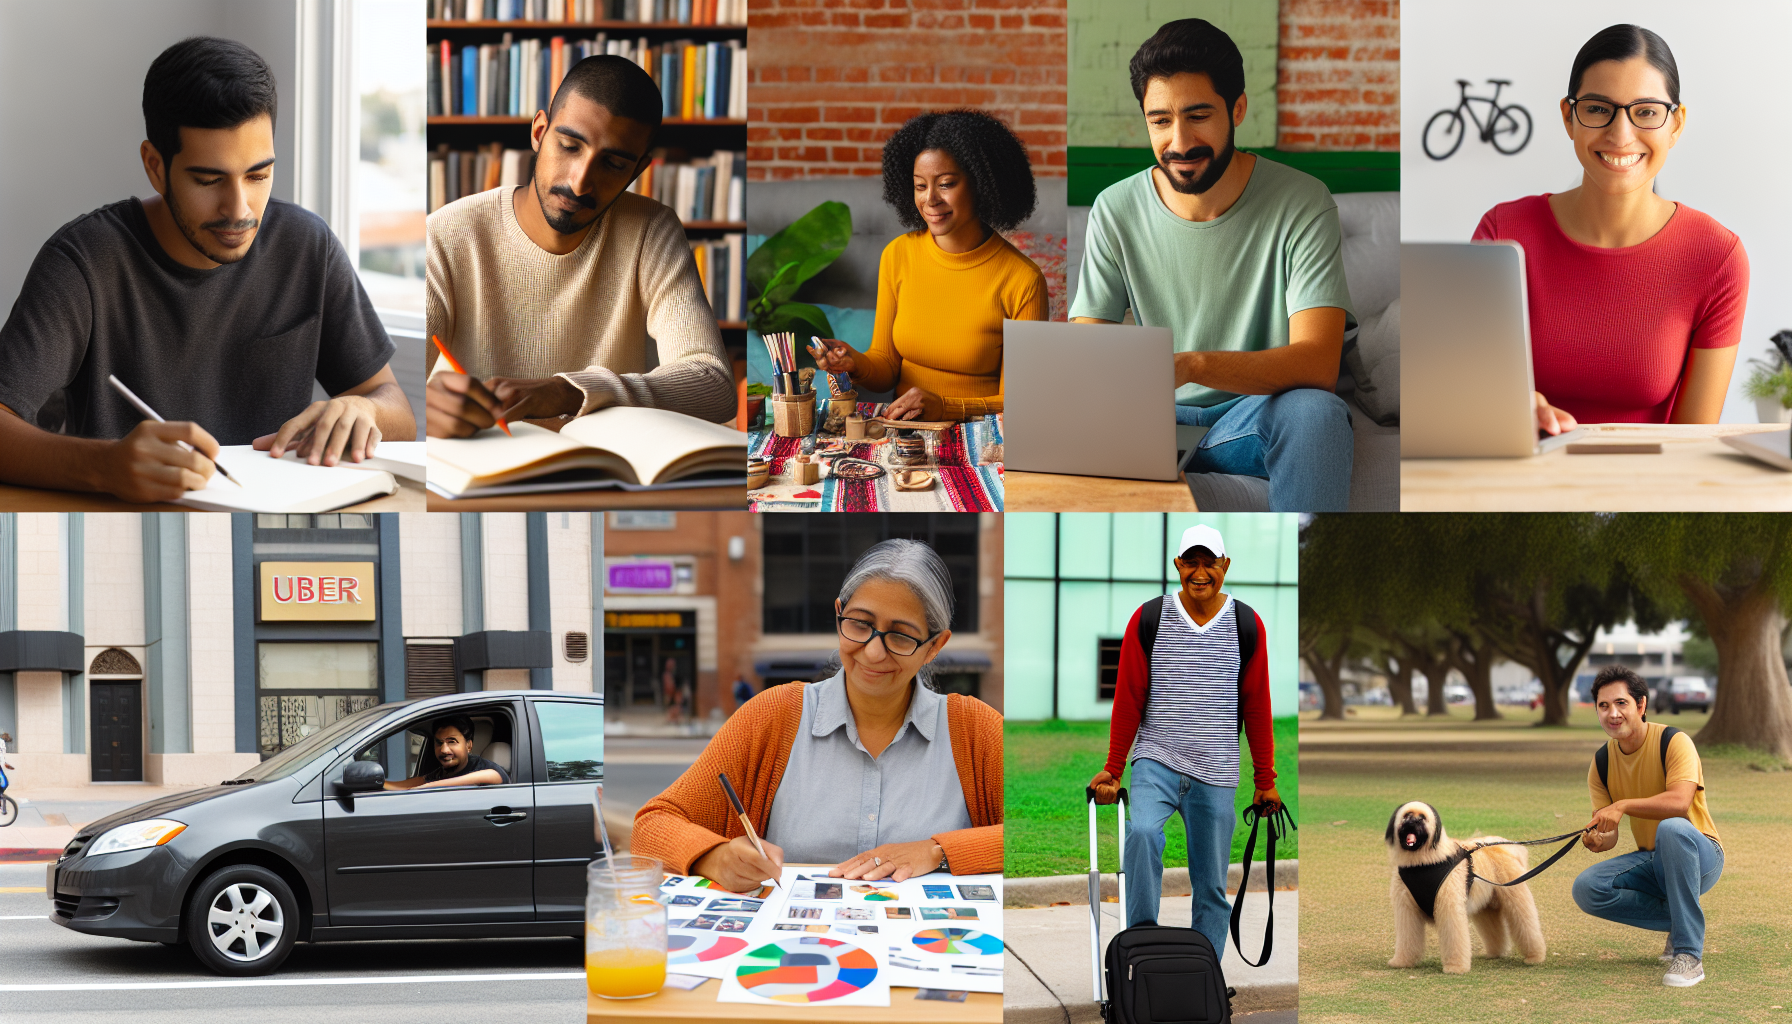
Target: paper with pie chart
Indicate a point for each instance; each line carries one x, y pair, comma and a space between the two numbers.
798, 970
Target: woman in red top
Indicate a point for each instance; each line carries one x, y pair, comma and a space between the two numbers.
1636, 301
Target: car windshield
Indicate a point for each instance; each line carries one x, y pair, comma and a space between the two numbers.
299, 754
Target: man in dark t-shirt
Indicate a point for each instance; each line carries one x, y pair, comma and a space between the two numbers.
215, 303
456, 764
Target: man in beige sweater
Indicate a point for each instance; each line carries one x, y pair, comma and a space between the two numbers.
551, 294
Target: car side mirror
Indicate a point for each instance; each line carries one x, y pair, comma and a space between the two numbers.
362, 777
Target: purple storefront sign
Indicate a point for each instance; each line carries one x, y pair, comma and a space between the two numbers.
641, 576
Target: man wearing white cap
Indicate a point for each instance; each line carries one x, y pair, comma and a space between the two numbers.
1194, 673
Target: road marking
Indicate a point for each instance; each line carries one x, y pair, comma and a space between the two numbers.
21, 888
411, 979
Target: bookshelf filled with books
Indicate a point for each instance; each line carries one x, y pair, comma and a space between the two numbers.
494, 63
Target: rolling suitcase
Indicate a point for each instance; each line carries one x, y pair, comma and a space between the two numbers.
1155, 974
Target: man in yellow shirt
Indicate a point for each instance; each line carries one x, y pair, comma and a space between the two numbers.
1678, 855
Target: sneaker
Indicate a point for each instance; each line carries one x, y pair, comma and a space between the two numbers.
1684, 971
1667, 950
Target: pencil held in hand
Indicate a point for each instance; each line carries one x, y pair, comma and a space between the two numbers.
143, 407
741, 810
454, 364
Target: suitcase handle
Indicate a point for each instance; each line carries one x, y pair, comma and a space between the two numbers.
1095, 885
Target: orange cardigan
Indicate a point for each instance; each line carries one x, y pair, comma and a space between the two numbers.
693, 817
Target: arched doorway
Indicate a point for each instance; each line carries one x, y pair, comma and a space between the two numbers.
115, 709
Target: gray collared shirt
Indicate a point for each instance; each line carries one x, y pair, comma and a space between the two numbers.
836, 801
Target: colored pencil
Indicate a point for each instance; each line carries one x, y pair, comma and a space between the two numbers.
454, 364
734, 798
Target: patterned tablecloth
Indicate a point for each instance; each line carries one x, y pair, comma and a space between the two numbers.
960, 485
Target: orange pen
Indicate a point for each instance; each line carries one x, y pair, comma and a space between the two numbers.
454, 364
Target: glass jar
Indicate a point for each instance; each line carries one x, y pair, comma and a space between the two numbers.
625, 927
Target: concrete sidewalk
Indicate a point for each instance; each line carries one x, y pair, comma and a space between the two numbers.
1047, 967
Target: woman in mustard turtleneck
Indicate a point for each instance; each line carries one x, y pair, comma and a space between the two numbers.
943, 289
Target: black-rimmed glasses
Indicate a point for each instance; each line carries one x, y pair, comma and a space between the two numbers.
1645, 114
861, 632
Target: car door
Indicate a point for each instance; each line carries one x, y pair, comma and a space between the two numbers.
460, 855
571, 762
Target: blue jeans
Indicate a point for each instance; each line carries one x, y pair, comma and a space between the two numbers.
1657, 889
1207, 820
1299, 439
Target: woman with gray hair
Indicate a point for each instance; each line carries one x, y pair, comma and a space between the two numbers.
869, 769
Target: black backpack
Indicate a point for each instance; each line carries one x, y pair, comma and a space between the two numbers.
1602, 757
1163, 975
1151, 614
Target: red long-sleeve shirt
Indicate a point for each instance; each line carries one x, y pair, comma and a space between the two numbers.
1133, 688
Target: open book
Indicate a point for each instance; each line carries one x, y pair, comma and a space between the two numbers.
284, 485
621, 446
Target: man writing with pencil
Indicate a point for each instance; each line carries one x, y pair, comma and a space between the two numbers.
569, 293
214, 302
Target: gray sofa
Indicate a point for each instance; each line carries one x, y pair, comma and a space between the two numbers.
1369, 379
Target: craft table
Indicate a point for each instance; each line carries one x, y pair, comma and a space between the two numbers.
699, 1004
1057, 492
731, 498
1695, 473
961, 485
410, 497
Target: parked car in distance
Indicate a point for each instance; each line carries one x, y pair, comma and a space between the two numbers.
310, 846
1685, 692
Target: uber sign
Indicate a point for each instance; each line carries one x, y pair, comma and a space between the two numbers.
315, 591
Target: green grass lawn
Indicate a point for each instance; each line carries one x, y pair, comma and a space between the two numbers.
1509, 779
1047, 766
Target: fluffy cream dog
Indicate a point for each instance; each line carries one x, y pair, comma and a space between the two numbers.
1433, 882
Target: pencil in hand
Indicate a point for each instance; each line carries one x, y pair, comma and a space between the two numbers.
741, 810
454, 364
143, 407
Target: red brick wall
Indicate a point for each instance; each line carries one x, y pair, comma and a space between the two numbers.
1338, 75
830, 80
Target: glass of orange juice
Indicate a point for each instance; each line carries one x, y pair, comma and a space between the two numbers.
625, 927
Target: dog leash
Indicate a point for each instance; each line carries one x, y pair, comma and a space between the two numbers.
1572, 837
1255, 815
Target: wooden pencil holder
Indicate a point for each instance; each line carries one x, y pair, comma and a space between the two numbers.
846, 404
793, 415
855, 427
807, 472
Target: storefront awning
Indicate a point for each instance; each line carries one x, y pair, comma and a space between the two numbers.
41, 650
505, 648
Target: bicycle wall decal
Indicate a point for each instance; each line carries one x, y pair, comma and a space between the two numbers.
1507, 128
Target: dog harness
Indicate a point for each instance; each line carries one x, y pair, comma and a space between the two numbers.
1424, 880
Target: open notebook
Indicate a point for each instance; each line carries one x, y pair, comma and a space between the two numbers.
622, 446
284, 485
399, 458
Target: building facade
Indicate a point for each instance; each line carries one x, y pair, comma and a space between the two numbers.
181, 648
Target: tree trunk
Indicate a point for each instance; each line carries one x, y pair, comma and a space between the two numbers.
1475, 662
1400, 684
1539, 647
1753, 703
1328, 672
1436, 673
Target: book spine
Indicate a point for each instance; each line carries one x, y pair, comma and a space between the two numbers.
432, 77
687, 97
469, 80
559, 69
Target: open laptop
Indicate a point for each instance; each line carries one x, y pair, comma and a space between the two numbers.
1089, 400
1465, 354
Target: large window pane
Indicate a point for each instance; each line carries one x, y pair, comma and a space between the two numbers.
318, 666
572, 737
807, 559
391, 175
286, 719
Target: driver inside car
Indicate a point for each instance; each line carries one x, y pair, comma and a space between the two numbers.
456, 764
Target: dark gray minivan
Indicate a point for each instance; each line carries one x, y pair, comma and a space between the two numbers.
308, 845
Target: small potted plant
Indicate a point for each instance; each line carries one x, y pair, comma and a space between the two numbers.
1770, 382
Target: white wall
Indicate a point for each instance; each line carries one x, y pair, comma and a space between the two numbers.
73, 118
1730, 163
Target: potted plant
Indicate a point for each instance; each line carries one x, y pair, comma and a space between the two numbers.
1770, 382
783, 262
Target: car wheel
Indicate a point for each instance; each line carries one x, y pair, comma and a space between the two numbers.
242, 920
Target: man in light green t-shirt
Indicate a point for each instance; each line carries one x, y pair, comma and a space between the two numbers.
1239, 257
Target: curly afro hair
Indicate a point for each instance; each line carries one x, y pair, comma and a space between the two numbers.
993, 158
